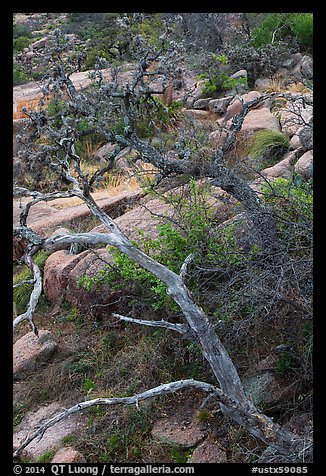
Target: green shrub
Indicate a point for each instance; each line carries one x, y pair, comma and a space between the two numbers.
21, 43
274, 27
217, 80
179, 456
203, 415
20, 30
171, 248
302, 28
279, 26
258, 61
92, 55
19, 75
150, 29
294, 197
88, 385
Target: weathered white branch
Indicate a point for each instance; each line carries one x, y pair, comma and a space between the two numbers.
185, 264
38, 196
162, 389
34, 297
181, 328
25, 281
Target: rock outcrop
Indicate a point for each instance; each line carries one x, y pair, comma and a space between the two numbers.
258, 119
52, 437
56, 273
67, 454
265, 386
185, 434
304, 165
208, 452
31, 351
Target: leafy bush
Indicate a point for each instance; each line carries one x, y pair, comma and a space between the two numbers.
284, 365
46, 457
274, 27
302, 28
153, 115
217, 79
19, 75
150, 29
21, 43
279, 26
94, 53
171, 248
88, 385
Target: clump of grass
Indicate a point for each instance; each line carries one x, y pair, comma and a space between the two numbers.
18, 413
203, 415
268, 145
46, 457
69, 439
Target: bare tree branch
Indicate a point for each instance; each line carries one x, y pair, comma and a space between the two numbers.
35, 295
181, 328
162, 389
185, 264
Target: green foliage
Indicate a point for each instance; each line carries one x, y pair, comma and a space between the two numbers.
171, 248
19, 75
21, 30
274, 27
293, 197
278, 26
150, 29
94, 53
114, 441
258, 61
152, 115
69, 439
55, 106
19, 412
74, 315
81, 364
268, 144
88, 385
20, 43
179, 456
284, 364
203, 415
46, 457
218, 80
129, 438
302, 28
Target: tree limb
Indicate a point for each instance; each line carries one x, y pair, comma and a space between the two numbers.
185, 264
162, 389
34, 297
181, 328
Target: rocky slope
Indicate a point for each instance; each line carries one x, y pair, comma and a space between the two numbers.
64, 336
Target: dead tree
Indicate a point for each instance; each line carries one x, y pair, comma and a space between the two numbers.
97, 107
